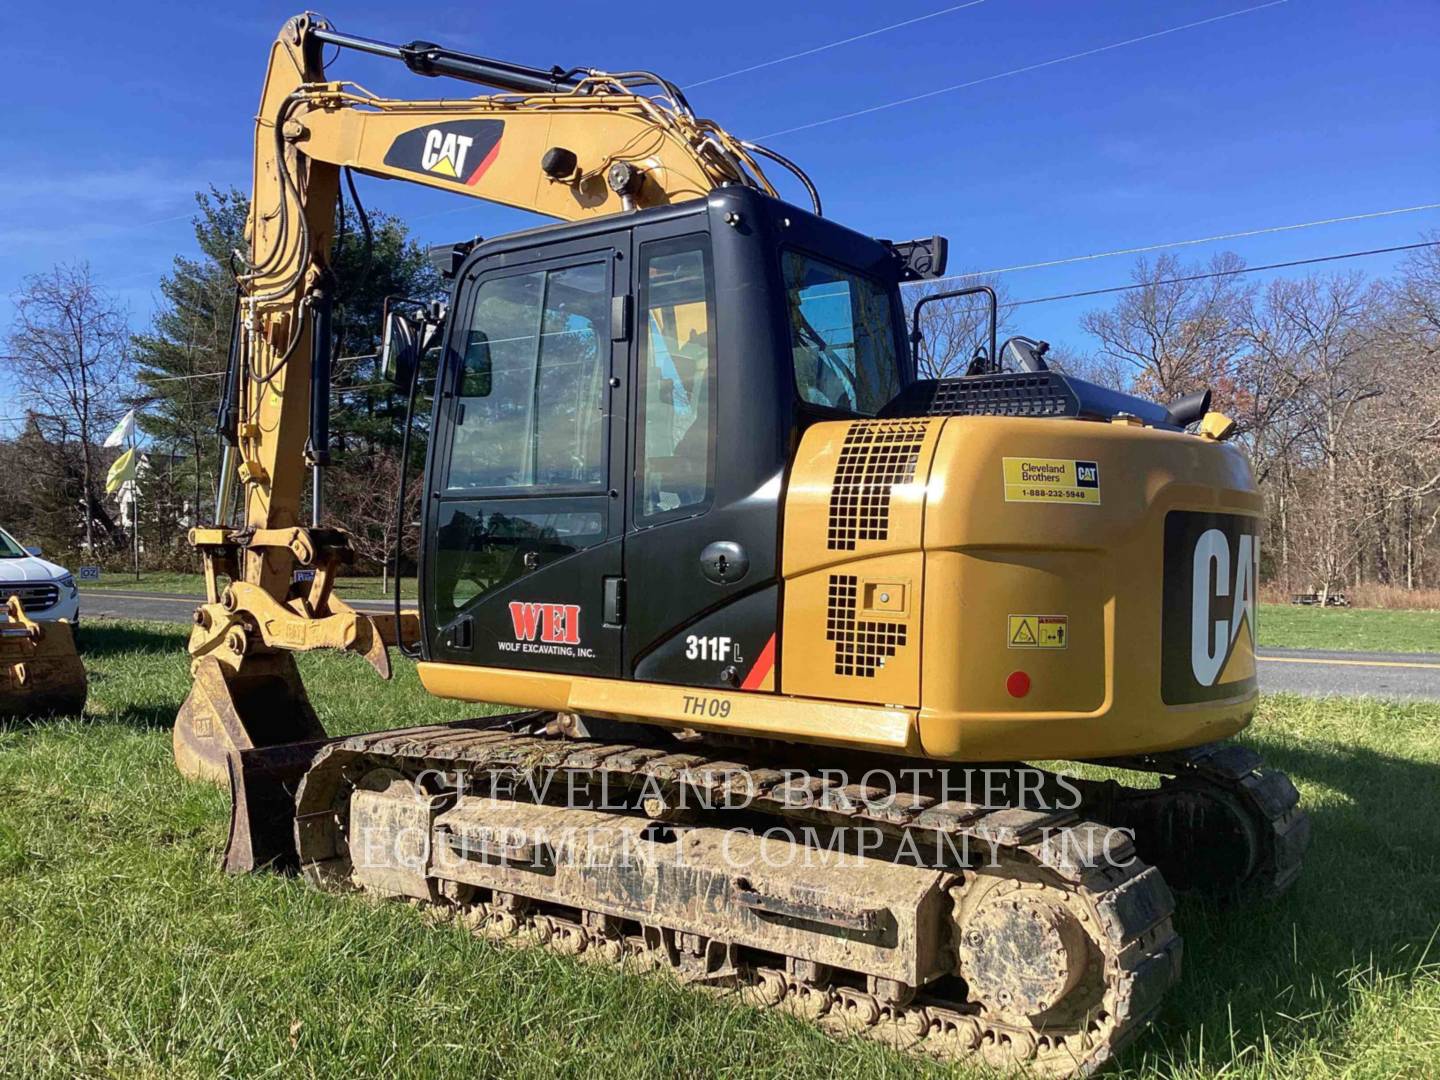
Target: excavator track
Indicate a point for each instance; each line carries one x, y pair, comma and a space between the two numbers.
1220, 823
1039, 940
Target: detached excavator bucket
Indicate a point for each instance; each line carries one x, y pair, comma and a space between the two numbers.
40, 670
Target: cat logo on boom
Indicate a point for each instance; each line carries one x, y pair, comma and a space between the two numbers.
460, 150
445, 152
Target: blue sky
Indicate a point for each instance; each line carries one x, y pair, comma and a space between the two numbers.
1302, 110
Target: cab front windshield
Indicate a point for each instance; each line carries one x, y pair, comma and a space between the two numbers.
9, 549
842, 337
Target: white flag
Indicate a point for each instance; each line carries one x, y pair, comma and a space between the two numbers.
122, 431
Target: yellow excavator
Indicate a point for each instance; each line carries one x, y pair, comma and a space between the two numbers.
781, 621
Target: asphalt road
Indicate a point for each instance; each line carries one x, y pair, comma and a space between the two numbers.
1407, 676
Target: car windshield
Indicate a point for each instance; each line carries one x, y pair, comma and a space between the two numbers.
9, 549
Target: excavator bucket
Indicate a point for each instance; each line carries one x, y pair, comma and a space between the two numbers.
40, 669
225, 712
263, 785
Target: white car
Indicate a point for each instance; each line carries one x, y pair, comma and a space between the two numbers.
46, 591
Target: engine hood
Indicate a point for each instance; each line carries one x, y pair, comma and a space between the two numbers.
30, 568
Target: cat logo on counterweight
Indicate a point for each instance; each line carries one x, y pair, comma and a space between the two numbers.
1212, 568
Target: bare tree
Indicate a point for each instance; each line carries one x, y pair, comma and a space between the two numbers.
1418, 290
368, 510
957, 326
1331, 325
68, 349
1176, 335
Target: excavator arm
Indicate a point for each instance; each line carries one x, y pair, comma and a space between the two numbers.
567, 144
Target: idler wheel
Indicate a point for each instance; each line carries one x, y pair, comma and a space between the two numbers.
1020, 954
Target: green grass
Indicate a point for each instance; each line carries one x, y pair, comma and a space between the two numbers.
1287, 626
188, 584
125, 952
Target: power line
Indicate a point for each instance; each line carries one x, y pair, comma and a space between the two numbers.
832, 44
1022, 70
184, 378
1182, 243
1089, 292
1222, 273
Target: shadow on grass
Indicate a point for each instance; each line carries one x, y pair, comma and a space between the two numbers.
1363, 913
103, 637
125, 685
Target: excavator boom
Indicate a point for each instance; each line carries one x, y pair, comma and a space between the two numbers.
570, 145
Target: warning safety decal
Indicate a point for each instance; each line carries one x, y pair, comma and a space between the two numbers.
1038, 631
1052, 480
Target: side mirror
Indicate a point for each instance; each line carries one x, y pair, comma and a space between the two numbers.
917, 335
32, 550
400, 350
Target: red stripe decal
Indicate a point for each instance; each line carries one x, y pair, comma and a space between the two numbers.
761, 667
474, 177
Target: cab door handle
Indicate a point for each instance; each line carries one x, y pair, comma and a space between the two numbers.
614, 601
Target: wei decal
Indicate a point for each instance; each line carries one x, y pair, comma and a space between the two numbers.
554, 623
549, 629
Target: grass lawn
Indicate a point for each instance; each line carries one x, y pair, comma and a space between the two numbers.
1287, 626
125, 951
187, 584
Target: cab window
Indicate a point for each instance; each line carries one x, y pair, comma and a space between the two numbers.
531, 409
677, 379
842, 336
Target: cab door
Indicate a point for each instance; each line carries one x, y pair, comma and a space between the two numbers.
707, 458
522, 565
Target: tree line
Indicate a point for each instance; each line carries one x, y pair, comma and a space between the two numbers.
77, 368
1331, 377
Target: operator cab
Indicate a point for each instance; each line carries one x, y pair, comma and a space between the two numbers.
618, 402
616, 406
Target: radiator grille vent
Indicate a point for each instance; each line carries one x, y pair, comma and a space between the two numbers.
1010, 395
874, 457
861, 646
1027, 393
